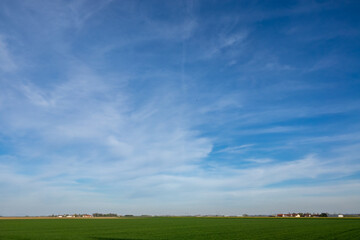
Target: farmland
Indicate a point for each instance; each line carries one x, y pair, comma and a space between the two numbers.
180, 228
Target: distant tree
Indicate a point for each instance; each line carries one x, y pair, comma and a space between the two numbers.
323, 215
105, 215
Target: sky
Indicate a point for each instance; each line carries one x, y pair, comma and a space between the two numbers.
179, 107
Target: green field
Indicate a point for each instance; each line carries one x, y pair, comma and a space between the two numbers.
181, 228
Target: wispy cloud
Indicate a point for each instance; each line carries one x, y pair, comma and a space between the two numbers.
276, 129
226, 41
236, 149
7, 61
142, 185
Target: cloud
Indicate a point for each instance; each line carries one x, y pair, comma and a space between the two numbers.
223, 103
270, 130
259, 160
200, 190
7, 62
84, 10
35, 95
352, 137
94, 113
236, 149
224, 42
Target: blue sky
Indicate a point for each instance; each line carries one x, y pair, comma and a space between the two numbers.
179, 107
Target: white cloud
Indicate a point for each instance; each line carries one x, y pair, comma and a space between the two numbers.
139, 189
82, 10
224, 42
7, 61
276, 129
36, 96
236, 149
259, 160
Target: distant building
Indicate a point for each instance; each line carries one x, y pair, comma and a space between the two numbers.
340, 215
297, 215
287, 215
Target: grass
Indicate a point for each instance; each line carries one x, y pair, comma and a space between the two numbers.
180, 228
